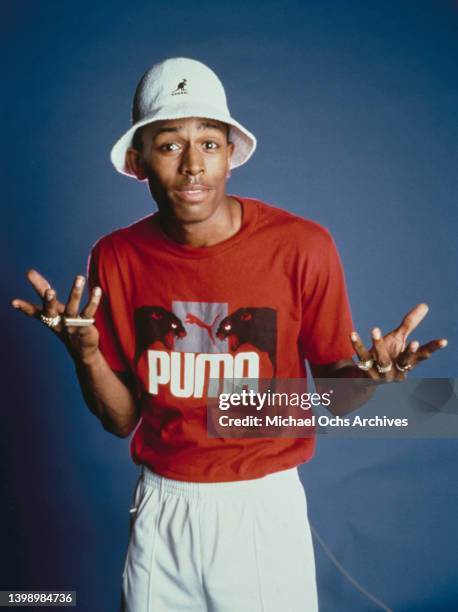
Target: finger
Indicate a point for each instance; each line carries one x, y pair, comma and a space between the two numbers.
360, 349
50, 303
29, 309
38, 282
383, 358
426, 350
407, 357
74, 299
364, 356
90, 309
412, 319
406, 360
51, 310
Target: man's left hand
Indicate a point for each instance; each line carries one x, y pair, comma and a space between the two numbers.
390, 357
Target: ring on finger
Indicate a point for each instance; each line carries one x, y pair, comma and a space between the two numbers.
383, 369
78, 322
50, 321
365, 365
403, 369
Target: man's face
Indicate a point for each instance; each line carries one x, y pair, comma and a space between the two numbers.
186, 162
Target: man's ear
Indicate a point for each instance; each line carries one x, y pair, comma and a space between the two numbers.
135, 164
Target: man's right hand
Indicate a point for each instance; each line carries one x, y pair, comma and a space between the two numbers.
81, 342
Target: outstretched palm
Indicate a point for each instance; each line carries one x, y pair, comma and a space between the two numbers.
393, 349
80, 341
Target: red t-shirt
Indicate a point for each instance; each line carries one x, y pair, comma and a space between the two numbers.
254, 305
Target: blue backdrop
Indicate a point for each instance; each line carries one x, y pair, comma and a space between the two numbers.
354, 105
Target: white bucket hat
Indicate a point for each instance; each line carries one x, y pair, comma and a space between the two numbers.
175, 89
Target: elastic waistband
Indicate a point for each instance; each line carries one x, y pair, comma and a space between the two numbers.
272, 482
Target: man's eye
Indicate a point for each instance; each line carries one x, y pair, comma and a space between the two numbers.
211, 144
169, 146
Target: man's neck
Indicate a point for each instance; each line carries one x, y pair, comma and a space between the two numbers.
226, 222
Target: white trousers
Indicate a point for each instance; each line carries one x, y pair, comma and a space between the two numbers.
240, 546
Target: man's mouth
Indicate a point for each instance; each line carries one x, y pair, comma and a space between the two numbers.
193, 187
192, 193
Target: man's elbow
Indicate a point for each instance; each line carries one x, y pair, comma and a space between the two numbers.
120, 431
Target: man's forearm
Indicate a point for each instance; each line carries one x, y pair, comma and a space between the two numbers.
346, 397
352, 396
106, 395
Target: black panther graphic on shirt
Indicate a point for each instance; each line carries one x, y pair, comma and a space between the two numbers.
198, 336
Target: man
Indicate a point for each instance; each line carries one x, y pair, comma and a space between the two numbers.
210, 286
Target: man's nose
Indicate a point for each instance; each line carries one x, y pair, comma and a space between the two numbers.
192, 162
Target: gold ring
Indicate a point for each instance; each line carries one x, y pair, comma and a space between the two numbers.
50, 321
403, 369
383, 369
365, 365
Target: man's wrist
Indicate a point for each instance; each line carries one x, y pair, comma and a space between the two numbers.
87, 360
351, 371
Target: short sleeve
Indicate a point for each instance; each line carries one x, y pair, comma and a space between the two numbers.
326, 316
98, 276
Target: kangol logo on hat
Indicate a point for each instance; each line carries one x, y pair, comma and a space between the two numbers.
160, 96
181, 88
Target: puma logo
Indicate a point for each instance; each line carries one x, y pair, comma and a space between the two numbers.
190, 318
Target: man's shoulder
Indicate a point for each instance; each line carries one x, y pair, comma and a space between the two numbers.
288, 225
130, 233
